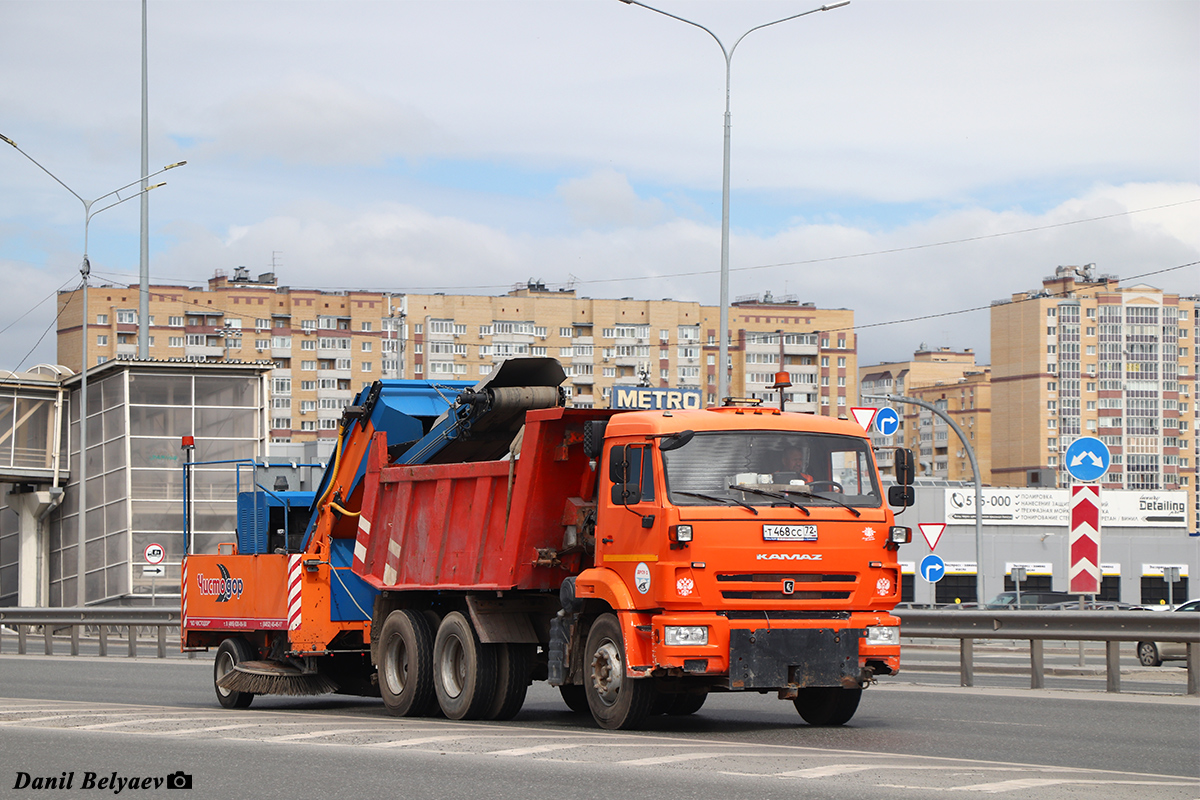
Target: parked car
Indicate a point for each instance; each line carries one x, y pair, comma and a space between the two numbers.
1152, 654
1034, 598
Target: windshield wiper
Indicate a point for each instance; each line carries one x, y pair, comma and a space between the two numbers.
812, 496
725, 500
774, 495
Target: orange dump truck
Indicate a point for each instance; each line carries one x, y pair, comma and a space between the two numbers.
637, 560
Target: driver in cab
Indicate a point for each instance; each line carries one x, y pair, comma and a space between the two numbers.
797, 464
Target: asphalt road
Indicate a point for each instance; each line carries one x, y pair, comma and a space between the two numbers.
909, 739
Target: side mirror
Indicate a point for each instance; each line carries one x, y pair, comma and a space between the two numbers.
676, 440
901, 496
905, 467
618, 465
626, 494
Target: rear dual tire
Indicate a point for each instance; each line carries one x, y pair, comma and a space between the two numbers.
464, 669
406, 664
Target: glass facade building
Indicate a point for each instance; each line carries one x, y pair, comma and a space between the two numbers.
138, 413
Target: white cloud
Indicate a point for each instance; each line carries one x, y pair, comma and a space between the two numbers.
313, 120
605, 199
471, 145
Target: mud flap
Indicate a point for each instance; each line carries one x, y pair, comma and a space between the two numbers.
775, 659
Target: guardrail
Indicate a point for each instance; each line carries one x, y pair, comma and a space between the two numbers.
55, 619
1110, 627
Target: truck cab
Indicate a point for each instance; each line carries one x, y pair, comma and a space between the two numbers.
742, 548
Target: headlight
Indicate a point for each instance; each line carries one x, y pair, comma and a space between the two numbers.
879, 636
681, 533
680, 635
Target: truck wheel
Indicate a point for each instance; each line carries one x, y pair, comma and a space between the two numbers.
513, 665
406, 664
684, 703
575, 696
617, 701
231, 653
464, 670
827, 705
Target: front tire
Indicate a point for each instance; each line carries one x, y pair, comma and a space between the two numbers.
231, 653
406, 664
617, 701
514, 662
827, 705
464, 669
1148, 654
686, 703
575, 696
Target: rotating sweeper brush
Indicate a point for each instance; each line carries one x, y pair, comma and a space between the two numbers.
274, 677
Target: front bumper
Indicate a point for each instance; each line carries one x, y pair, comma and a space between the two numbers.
775, 650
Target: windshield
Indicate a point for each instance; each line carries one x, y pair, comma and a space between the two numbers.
765, 468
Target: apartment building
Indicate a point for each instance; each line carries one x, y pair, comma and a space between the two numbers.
1085, 356
324, 346
950, 380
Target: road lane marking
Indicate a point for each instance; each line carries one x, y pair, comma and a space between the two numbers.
296, 737
541, 748
185, 731
828, 771
646, 762
424, 740
54, 717
148, 721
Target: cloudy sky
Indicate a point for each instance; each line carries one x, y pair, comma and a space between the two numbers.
902, 158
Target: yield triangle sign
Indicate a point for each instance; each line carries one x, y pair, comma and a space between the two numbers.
932, 531
864, 416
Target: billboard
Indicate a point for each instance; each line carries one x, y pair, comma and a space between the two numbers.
1052, 507
633, 398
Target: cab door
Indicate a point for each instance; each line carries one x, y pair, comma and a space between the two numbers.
627, 540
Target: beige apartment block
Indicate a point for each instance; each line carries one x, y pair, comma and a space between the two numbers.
951, 380
1084, 356
325, 346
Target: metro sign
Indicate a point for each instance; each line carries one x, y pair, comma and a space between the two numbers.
1084, 576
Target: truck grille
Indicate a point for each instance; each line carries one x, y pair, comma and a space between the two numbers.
769, 586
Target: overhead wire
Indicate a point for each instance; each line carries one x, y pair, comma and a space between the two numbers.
802, 262
825, 259
53, 325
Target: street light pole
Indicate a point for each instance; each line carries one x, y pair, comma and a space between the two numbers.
723, 349
85, 271
962, 437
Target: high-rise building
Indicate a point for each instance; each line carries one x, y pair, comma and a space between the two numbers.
1084, 356
325, 346
949, 380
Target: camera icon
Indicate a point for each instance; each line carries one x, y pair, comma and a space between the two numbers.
179, 780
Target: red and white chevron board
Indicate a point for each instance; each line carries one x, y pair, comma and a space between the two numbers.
295, 572
183, 592
1085, 540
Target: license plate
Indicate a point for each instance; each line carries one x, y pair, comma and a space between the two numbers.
789, 533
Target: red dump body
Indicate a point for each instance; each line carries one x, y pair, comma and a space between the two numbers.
479, 525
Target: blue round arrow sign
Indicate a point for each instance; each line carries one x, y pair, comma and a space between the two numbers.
933, 568
1087, 459
887, 421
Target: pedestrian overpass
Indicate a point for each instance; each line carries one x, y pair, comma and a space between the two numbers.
33, 458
